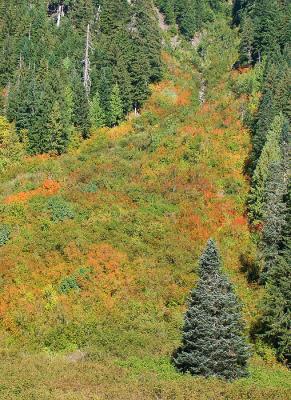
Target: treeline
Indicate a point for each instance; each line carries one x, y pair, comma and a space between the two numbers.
189, 15
71, 65
265, 39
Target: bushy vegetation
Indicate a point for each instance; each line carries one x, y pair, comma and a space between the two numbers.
104, 239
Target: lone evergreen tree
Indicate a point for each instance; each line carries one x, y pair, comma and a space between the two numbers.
212, 343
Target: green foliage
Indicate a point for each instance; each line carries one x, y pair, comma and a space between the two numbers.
67, 284
60, 210
274, 217
116, 107
271, 153
190, 15
11, 150
4, 234
212, 342
274, 324
97, 115
47, 98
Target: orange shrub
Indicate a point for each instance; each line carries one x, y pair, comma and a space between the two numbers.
48, 188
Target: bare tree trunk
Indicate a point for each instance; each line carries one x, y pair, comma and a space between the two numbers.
87, 81
98, 14
60, 14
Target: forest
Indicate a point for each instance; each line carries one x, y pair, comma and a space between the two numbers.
145, 199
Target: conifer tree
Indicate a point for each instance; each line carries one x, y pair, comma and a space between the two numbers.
247, 40
274, 217
81, 109
116, 107
57, 133
97, 116
212, 342
272, 152
275, 322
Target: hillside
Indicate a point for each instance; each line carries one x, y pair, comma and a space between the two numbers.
104, 241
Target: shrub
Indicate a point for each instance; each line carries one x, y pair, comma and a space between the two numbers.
67, 284
4, 234
60, 209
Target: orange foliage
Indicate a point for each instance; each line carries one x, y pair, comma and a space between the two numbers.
104, 258
184, 97
240, 221
120, 131
48, 188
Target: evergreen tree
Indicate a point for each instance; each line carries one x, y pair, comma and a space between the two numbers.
81, 109
272, 152
266, 16
274, 217
212, 343
247, 40
116, 107
275, 322
97, 116
56, 131
146, 25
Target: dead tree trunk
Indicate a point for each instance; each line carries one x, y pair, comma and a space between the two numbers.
60, 14
87, 81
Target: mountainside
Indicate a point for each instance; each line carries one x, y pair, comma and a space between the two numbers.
99, 245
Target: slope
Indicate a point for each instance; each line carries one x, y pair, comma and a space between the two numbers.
104, 242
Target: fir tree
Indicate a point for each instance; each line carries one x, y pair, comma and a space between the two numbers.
116, 107
212, 343
97, 116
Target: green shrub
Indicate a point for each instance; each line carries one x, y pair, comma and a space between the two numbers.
67, 284
60, 209
4, 234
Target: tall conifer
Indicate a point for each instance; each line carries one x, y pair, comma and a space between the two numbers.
212, 340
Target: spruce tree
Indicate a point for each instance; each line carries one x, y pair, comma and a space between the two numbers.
116, 107
212, 342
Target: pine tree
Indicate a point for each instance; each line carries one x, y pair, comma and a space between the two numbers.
212, 343
116, 107
97, 116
